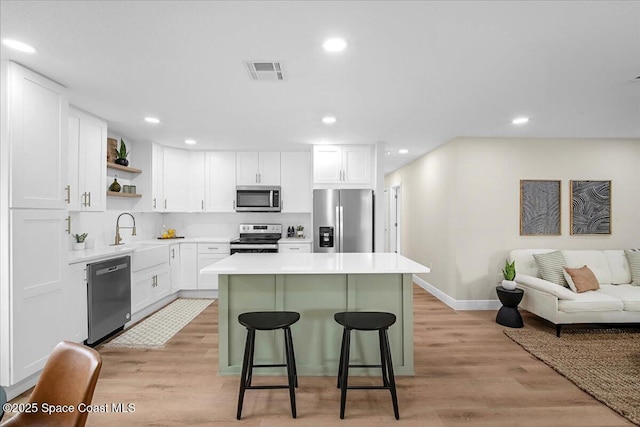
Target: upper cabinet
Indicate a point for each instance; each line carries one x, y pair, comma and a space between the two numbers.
297, 189
342, 165
196, 181
220, 183
258, 168
175, 182
157, 181
38, 136
86, 155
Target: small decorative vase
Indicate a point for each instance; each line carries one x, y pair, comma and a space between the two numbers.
115, 186
300, 234
78, 246
509, 285
123, 162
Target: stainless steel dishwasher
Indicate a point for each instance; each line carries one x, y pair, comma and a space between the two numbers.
109, 297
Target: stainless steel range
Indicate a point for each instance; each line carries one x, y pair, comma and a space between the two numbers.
257, 238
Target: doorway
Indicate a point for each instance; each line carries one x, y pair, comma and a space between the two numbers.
395, 218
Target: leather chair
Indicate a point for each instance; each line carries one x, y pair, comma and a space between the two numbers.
69, 378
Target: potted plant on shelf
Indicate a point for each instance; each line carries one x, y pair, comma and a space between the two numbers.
78, 245
300, 231
121, 154
509, 273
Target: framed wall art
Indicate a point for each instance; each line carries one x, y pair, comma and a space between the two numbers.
539, 208
590, 207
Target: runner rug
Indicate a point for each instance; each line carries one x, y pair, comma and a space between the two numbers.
157, 329
603, 362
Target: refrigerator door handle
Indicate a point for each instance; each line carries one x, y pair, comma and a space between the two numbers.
341, 233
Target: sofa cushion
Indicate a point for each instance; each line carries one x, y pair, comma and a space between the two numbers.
525, 263
619, 267
634, 265
550, 267
591, 301
628, 294
581, 279
595, 260
542, 285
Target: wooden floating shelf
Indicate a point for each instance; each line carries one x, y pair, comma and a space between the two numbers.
122, 168
116, 194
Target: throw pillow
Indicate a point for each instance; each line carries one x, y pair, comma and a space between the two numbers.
633, 256
582, 279
550, 267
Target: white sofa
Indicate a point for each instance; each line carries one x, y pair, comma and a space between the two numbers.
617, 301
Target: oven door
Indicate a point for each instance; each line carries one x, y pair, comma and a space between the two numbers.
253, 248
257, 199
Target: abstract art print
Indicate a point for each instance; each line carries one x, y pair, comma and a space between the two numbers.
539, 208
590, 207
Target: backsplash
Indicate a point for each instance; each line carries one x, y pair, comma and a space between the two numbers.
101, 226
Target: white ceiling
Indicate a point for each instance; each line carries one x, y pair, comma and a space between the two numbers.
415, 74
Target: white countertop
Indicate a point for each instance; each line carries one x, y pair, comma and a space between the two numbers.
315, 263
106, 252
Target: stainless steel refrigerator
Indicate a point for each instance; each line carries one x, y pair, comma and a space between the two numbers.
342, 220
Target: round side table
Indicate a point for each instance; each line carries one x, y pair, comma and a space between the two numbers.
508, 315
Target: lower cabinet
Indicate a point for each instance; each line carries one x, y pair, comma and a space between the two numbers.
175, 263
294, 247
75, 304
150, 285
208, 253
188, 266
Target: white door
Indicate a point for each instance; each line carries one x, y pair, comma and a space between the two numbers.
75, 303
269, 168
220, 181
157, 178
327, 164
73, 159
175, 173
39, 267
162, 286
142, 292
297, 187
188, 266
356, 164
247, 168
196, 180
38, 129
395, 219
93, 163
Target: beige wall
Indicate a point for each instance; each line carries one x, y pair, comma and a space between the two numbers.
460, 203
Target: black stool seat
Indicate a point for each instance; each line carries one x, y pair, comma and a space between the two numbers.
366, 321
268, 321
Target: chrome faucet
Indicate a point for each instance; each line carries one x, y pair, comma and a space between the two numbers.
133, 231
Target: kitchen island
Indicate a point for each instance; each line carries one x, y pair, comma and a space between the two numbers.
317, 285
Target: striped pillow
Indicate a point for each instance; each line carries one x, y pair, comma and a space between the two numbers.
551, 267
633, 256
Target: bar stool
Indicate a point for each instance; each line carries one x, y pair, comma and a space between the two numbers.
268, 321
366, 321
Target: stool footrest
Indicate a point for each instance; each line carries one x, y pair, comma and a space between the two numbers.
368, 387
265, 387
270, 366
365, 366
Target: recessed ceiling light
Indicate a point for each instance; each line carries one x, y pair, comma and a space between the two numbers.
328, 120
18, 45
152, 120
190, 141
403, 151
334, 45
520, 120
388, 153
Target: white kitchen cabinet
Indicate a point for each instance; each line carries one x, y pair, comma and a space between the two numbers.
75, 303
342, 165
297, 186
38, 139
150, 276
220, 181
196, 181
175, 172
87, 162
175, 267
208, 253
39, 270
189, 266
157, 178
258, 168
285, 247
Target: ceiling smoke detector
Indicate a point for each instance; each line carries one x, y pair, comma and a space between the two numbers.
264, 71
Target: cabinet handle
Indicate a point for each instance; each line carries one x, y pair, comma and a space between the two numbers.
68, 189
294, 249
68, 230
173, 253
213, 249
165, 203
202, 203
154, 202
89, 193
234, 205
256, 178
260, 178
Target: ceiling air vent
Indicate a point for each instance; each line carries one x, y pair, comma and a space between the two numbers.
264, 71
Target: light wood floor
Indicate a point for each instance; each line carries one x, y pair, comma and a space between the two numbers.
467, 373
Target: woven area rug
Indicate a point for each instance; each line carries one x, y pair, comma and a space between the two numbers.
603, 362
157, 329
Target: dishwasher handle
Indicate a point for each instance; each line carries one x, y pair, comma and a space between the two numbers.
111, 269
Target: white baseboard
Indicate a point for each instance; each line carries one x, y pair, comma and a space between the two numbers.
460, 305
17, 389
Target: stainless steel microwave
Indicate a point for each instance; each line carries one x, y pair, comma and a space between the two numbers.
254, 198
